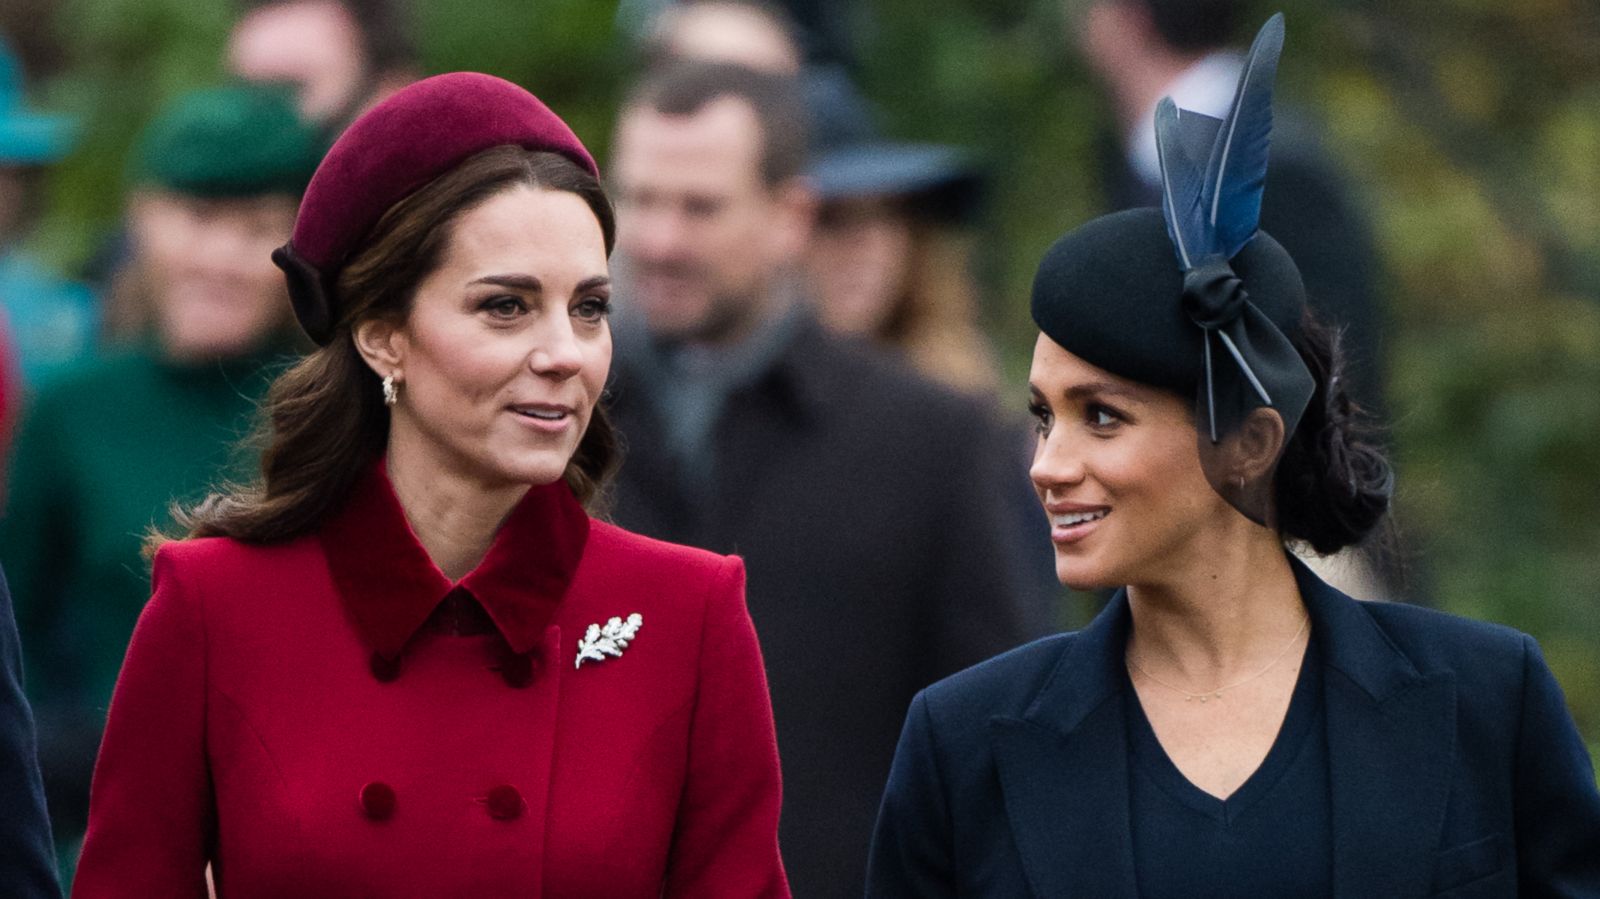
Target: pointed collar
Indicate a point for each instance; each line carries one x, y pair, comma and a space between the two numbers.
390, 586
1350, 639
1088, 672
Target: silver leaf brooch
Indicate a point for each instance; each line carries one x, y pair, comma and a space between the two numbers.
599, 642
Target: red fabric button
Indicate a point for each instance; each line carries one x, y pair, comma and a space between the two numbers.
518, 669
504, 802
383, 668
377, 800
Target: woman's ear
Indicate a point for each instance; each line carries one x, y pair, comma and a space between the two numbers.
1258, 445
1240, 467
382, 344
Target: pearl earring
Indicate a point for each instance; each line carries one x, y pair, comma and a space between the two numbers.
391, 391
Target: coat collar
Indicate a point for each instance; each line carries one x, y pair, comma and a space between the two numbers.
1391, 748
1391, 739
390, 586
1064, 768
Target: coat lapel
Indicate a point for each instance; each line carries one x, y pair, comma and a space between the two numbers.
1064, 769
1391, 745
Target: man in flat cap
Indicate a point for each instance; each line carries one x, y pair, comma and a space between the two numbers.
105, 449
888, 532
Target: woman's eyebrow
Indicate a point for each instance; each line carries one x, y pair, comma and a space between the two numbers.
592, 283
1101, 388
516, 282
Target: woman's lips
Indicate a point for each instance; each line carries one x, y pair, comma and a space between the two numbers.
542, 417
1070, 526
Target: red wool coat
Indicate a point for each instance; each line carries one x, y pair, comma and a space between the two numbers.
334, 717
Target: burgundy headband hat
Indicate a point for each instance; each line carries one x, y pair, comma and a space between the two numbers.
389, 153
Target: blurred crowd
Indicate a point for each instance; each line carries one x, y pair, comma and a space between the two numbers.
803, 374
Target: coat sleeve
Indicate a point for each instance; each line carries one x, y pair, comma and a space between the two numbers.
910, 854
151, 808
726, 838
1557, 804
27, 861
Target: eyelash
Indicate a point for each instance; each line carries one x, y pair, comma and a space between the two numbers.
1043, 419
591, 309
1094, 410
600, 306
499, 306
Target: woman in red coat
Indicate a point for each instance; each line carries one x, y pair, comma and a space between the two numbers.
408, 662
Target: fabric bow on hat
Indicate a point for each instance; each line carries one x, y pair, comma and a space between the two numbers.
1212, 175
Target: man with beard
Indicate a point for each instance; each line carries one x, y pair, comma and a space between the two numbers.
887, 525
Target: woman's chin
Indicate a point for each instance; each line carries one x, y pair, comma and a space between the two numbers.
533, 470
1076, 574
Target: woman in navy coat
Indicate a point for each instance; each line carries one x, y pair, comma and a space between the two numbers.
1229, 725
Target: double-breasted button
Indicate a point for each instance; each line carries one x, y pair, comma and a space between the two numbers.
384, 668
504, 803
518, 668
377, 801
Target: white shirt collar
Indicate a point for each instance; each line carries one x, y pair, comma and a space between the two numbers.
1205, 87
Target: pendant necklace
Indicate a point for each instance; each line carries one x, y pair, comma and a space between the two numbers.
1208, 695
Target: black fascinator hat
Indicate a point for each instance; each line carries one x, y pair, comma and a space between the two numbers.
1193, 297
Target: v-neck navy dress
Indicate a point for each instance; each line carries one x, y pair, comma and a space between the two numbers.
1272, 837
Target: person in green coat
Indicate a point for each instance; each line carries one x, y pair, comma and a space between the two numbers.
105, 449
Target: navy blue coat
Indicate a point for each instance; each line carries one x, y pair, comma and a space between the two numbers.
1455, 767
27, 861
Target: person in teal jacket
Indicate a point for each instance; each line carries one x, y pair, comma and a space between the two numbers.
50, 321
104, 450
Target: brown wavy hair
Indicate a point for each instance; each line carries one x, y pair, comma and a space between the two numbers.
324, 421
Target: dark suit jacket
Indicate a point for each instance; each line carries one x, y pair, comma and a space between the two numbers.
27, 861
1455, 768
891, 538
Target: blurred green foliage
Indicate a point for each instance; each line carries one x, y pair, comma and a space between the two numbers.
1470, 128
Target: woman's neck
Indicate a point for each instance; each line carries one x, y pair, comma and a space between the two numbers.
1226, 615
454, 517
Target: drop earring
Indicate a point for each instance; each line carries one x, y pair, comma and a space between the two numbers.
391, 390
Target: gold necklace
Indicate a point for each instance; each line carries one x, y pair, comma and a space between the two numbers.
1209, 695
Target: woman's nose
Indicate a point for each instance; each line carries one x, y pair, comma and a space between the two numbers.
1056, 463
558, 355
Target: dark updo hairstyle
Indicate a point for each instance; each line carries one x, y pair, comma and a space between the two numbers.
324, 421
1334, 481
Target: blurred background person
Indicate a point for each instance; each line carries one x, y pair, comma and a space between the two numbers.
338, 57
881, 552
771, 35
750, 33
52, 321
27, 861
891, 258
105, 449
341, 56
